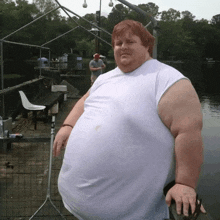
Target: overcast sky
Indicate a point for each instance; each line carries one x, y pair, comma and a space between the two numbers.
200, 8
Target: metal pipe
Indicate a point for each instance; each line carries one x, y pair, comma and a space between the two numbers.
29, 45
87, 21
99, 24
59, 36
2, 68
147, 24
100, 8
13, 88
64, 9
2, 81
52, 132
155, 44
49, 58
40, 62
29, 23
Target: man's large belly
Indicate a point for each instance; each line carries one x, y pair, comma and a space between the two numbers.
110, 165
106, 145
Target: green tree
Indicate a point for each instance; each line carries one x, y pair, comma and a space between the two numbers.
118, 13
175, 42
15, 14
151, 8
180, 35
215, 21
171, 15
45, 6
87, 47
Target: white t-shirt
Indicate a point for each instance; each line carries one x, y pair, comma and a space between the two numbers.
120, 155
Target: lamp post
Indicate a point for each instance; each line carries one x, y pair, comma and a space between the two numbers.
97, 32
98, 20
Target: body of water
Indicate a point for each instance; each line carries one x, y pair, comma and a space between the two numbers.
206, 80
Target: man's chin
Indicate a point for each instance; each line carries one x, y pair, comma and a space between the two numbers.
125, 61
125, 67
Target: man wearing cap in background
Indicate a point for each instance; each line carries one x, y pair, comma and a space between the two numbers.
96, 66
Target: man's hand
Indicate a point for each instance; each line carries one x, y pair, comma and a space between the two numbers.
61, 139
185, 197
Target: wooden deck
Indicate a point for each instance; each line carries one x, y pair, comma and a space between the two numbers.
24, 171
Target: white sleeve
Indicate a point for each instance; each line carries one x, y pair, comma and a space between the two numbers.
165, 79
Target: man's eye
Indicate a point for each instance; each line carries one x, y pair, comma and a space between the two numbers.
130, 42
118, 43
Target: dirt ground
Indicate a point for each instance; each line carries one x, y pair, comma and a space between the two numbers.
24, 172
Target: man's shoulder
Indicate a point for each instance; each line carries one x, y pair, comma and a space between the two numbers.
100, 61
92, 62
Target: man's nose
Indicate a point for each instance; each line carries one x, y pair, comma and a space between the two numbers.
124, 45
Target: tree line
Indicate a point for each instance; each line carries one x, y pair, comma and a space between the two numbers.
180, 35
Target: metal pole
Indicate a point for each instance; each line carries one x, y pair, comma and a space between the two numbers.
100, 8
99, 25
2, 81
40, 62
66, 9
22, 44
59, 36
2, 69
155, 44
49, 58
84, 20
147, 24
29, 23
51, 154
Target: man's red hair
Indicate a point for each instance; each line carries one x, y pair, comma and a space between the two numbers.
136, 28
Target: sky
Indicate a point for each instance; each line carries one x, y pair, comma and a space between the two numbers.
199, 8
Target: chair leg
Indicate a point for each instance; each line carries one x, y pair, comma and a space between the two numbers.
47, 114
25, 114
35, 119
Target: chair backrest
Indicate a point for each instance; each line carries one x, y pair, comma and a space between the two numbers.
25, 102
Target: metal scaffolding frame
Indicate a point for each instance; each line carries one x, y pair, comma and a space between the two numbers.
153, 22
4, 40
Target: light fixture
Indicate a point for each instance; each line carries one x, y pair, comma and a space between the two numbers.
110, 4
94, 29
84, 4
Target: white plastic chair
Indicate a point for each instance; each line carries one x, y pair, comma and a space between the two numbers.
31, 107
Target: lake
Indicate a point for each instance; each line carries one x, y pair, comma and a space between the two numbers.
206, 80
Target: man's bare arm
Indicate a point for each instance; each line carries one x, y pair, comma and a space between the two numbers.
180, 111
64, 132
95, 68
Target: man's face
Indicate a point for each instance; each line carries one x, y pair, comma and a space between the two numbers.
129, 52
